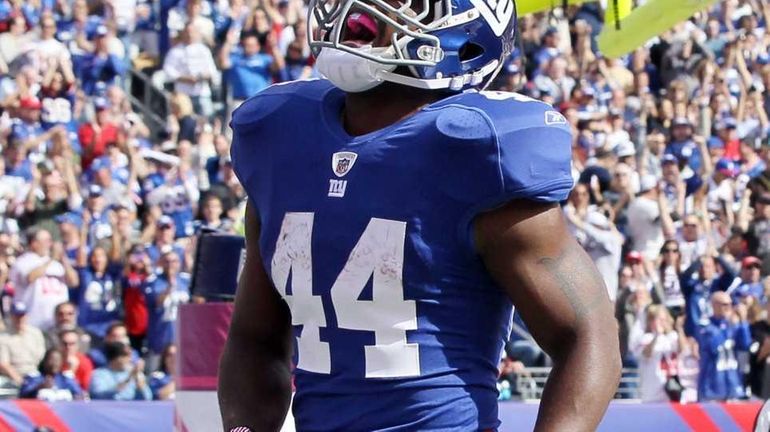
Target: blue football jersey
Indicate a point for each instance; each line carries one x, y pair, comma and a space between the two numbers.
369, 240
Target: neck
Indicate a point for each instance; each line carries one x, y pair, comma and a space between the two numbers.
382, 106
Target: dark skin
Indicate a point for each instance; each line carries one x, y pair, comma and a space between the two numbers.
529, 251
525, 246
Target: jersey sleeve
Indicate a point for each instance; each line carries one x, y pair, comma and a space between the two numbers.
534, 144
524, 153
253, 126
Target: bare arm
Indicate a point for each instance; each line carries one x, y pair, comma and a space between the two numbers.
764, 350
528, 249
71, 277
38, 271
647, 350
255, 369
742, 218
666, 222
272, 48
31, 199
11, 372
227, 47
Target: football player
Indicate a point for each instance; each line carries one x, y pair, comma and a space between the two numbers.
396, 213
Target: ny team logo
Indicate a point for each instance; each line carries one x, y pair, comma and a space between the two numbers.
342, 163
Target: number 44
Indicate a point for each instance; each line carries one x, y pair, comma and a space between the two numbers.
378, 255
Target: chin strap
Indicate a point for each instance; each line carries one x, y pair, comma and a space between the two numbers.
455, 83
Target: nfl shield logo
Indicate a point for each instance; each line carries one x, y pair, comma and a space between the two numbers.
342, 163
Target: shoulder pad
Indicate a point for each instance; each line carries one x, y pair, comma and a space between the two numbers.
463, 123
273, 98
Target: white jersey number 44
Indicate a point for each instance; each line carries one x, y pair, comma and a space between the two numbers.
378, 255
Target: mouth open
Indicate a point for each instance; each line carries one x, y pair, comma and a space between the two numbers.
360, 30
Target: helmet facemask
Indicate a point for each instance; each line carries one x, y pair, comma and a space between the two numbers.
332, 18
408, 35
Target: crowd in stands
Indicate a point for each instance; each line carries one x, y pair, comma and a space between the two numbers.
99, 211
672, 199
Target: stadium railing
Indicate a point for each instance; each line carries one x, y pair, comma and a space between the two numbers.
529, 385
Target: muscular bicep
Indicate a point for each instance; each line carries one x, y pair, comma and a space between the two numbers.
260, 313
553, 283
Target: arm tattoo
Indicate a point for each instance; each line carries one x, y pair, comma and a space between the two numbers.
570, 269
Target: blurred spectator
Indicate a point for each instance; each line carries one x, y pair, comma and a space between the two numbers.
164, 293
79, 28
215, 164
597, 234
693, 242
58, 92
699, 282
190, 66
100, 66
298, 60
182, 121
120, 379
177, 198
657, 352
555, 82
623, 187
49, 383
75, 360
21, 348
682, 144
164, 239
162, 381
66, 318
137, 269
191, 12
96, 134
7, 258
40, 278
247, 69
15, 162
116, 332
673, 186
752, 165
758, 231
644, 226
749, 284
759, 377
668, 277
212, 215
726, 333
99, 289
69, 226
723, 188
15, 42
54, 191
48, 50
549, 47
28, 133
631, 313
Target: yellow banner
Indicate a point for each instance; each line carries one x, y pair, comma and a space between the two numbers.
646, 22
610, 14
526, 7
